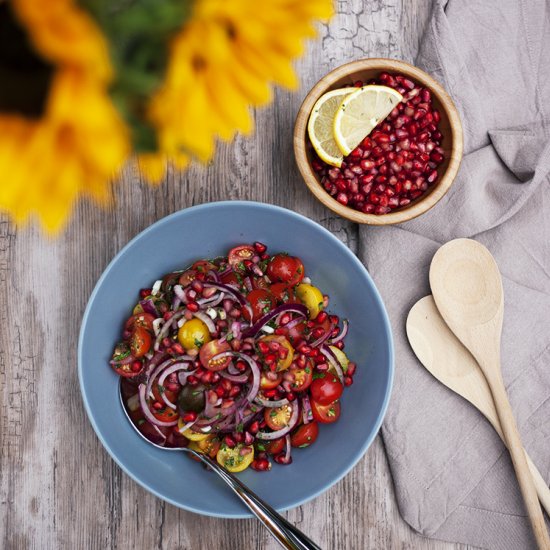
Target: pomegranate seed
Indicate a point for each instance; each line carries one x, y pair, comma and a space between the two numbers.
260, 248
157, 405
351, 369
261, 465
136, 366
229, 441
321, 367
238, 437
348, 380
281, 331
178, 348
433, 176
321, 317
282, 459
270, 358
189, 417
144, 292
197, 286
263, 347
248, 438
193, 306
220, 392
192, 380
270, 393
254, 427
291, 396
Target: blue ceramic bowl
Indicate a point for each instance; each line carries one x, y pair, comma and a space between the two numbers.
206, 231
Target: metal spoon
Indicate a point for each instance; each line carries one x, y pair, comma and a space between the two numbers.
286, 534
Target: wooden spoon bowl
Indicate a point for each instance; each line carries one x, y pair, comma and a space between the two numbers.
365, 70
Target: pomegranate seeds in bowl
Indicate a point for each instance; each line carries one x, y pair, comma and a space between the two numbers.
397, 162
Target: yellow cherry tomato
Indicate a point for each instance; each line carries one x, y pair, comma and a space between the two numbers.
210, 446
283, 362
311, 297
193, 334
342, 358
232, 459
189, 433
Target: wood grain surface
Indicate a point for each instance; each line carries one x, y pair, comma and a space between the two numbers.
58, 488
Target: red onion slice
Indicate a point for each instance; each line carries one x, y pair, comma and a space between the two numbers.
327, 352
285, 308
307, 413
147, 412
256, 374
236, 378
155, 373
271, 404
343, 332
166, 328
180, 293
148, 306
322, 339
268, 436
229, 290
125, 361
287, 454
183, 376
206, 320
185, 427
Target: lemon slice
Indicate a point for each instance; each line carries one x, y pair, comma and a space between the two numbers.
321, 123
360, 112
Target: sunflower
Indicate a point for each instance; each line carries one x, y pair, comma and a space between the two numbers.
78, 141
221, 63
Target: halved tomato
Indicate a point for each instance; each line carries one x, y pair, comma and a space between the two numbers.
279, 341
165, 415
187, 277
325, 414
326, 389
210, 446
278, 418
210, 350
267, 384
144, 320
238, 254
305, 435
276, 446
302, 377
140, 342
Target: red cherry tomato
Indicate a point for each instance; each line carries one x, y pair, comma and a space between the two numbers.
285, 269
305, 435
170, 395
283, 293
210, 350
267, 384
326, 389
187, 277
165, 415
278, 418
144, 320
276, 446
261, 302
302, 377
140, 342
126, 370
325, 414
238, 254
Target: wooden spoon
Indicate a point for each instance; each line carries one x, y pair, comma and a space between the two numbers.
441, 352
467, 289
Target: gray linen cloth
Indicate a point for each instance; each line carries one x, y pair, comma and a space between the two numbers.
453, 477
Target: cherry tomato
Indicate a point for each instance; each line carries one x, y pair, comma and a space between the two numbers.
238, 254
311, 297
278, 418
230, 278
210, 350
325, 414
187, 277
193, 334
140, 342
128, 370
169, 280
326, 389
261, 302
204, 266
144, 320
210, 446
277, 342
305, 435
283, 293
276, 446
267, 384
285, 269
302, 377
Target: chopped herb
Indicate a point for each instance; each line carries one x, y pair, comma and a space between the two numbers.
263, 265
162, 389
273, 413
229, 337
260, 447
198, 343
266, 309
272, 324
320, 305
240, 427
240, 266
200, 268
308, 370
304, 445
331, 412
122, 355
317, 375
196, 392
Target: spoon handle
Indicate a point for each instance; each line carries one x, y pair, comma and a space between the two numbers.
287, 535
513, 440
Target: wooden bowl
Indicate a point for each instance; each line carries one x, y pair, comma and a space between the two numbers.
449, 125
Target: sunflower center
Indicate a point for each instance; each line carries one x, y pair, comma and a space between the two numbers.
25, 77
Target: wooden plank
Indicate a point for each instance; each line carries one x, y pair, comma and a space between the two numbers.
58, 487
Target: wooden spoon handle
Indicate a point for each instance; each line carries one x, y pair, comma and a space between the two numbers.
543, 491
519, 461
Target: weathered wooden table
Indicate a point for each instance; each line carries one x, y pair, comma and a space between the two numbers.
58, 487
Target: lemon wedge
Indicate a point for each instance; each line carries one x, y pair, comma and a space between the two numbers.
360, 112
321, 123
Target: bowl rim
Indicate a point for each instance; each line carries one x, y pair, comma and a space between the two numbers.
252, 204
416, 208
